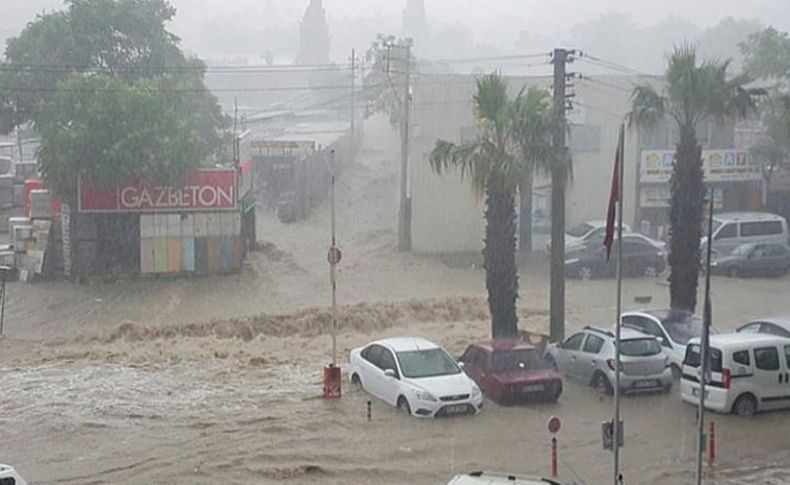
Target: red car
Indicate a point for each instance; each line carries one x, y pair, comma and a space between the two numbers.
511, 371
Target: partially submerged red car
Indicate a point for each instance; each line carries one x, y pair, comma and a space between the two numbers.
511, 371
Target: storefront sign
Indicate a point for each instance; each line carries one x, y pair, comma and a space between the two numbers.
656, 196
202, 190
718, 166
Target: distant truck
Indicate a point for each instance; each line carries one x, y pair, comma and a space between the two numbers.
8, 476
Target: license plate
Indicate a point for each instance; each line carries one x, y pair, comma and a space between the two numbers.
643, 384
534, 388
456, 409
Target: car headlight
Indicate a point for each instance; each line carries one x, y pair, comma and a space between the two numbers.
425, 396
475, 392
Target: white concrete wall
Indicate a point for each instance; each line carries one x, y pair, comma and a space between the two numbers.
446, 214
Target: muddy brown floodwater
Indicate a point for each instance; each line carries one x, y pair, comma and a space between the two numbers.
216, 380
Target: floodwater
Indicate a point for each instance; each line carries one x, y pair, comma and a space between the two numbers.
217, 380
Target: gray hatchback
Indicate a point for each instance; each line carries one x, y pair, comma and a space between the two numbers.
589, 355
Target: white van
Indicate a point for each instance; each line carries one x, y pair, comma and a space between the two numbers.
749, 373
10, 477
732, 229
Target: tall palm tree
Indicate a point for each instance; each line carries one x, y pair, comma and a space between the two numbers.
693, 93
496, 165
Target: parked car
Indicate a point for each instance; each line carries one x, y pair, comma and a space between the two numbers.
589, 355
779, 326
754, 259
511, 371
585, 232
672, 328
640, 258
415, 375
732, 229
8, 476
749, 373
482, 478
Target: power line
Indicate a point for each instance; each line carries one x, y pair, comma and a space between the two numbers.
600, 110
485, 59
584, 56
182, 90
604, 83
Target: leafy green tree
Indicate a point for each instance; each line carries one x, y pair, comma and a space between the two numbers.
510, 144
767, 55
693, 93
110, 92
126, 38
773, 150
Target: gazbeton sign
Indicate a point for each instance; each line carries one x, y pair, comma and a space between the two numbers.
201, 190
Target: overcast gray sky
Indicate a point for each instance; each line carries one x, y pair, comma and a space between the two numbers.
216, 28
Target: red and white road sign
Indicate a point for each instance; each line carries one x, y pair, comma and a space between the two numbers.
334, 256
554, 424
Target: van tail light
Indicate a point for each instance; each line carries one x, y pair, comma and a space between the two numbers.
726, 378
610, 363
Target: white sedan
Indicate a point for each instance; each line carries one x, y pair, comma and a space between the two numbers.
415, 375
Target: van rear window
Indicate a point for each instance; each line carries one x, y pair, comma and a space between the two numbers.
693, 357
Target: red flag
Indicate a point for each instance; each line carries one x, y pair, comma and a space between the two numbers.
614, 198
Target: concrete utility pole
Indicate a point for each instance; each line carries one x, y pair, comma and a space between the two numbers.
353, 104
404, 219
558, 180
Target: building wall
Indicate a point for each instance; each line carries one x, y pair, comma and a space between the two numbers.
447, 217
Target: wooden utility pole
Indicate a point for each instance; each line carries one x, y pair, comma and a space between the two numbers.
558, 180
404, 222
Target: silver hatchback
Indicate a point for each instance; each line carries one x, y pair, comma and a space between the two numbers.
588, 355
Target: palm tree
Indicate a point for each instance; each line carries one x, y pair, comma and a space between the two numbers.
693, 93
496, 165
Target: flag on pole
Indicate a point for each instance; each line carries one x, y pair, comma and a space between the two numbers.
614, 198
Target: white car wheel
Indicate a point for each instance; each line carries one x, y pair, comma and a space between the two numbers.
403, 403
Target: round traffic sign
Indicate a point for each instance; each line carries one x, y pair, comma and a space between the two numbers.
554, 424
334, 256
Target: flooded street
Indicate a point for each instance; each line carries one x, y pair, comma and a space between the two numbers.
217, 380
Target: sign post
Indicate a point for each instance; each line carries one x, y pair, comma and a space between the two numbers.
554, 424
332, 377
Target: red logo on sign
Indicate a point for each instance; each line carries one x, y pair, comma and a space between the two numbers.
201, 190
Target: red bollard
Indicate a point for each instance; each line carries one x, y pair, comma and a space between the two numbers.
332, 381
712, 444
554, 469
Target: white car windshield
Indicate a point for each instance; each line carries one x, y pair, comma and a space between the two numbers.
641, 347
416, 364
580, 230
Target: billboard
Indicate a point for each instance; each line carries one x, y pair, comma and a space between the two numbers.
201, 190
717, 165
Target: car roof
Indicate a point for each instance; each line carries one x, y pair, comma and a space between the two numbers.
747, 216
625, 332
599, 223
503, 345
726, 340
664, 315
783, 322
482, 478
403, 344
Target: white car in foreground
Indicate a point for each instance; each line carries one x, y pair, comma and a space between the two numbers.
416, 375
10, 477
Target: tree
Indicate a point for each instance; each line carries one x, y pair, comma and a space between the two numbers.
110, 93
384, 83
773, 150
693, 93
313, 35
767, 55
126, 38
534, 122
497, 163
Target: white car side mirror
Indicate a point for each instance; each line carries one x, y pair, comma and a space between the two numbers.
390, 373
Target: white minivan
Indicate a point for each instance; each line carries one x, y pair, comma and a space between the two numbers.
749, 373
732, 229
